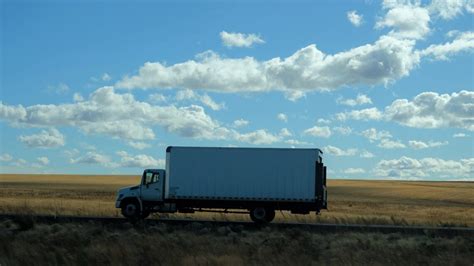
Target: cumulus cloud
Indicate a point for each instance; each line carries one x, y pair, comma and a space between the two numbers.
139, 161
449, 9
282, 117
234, 39
240, 122
6, 157
352, 171
317, 131
364, 114
460, 135
464, 42
43, 160
406, 167
361, 99
138, 145
366, 154
391, 144
434, 110
426, 110
285, 132
106, 77
343, 130
324, 121
121, 116
373, 134
204, 99
355, 18
418, 144
308, 69
92, 158
50, 138
408, 21
339, 152
258, 137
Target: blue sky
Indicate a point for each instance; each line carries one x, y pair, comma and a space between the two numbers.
384, 89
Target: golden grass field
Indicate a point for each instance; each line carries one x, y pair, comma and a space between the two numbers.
350, 201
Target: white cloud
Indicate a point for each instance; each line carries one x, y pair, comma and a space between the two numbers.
339, 152
343, 130
433, 110
77, 97
316, 131
118, 129
308, 69
460, 135
364, 114
106, 77
408, 21
240, 123
140, 161
92, 157
352, 171
360, 100
258, 137
12, 113
204, 99
282, 117
426, 110
406, 167
324, 121
50, 138
366, 154
43, 160
139, 145
449, 9
355, 18
157, 97
284, 132
233, 39
391, 144
418, 144
297, 142
464, 42
5, 157
121, 116
372, 134
294, 95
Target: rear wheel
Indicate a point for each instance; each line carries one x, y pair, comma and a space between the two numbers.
262, 215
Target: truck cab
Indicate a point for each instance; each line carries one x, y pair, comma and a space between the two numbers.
132, 200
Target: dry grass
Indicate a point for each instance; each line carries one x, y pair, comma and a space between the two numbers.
24, 243
379, 202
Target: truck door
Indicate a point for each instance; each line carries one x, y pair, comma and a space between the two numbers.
152, 185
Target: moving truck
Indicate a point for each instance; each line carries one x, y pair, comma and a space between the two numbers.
258, 181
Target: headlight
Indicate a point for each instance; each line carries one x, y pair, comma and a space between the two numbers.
120, 197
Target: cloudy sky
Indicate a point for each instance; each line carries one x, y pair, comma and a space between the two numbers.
384, 89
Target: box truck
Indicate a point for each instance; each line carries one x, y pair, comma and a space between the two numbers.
257, 181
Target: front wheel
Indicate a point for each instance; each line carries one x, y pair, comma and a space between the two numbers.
262, 215
131, 209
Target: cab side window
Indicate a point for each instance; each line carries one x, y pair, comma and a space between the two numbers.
152, 178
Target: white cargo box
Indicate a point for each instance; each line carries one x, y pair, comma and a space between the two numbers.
241, 173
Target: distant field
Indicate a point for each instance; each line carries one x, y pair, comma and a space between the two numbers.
350, 201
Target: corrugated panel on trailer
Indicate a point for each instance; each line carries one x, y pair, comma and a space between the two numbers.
241, 173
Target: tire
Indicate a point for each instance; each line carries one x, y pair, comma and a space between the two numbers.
131, 209
262, 215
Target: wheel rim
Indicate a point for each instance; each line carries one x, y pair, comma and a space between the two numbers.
130, 209
259, 213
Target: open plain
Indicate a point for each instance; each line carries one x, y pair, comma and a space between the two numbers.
350, 201
27, 241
